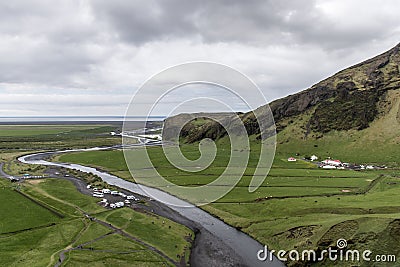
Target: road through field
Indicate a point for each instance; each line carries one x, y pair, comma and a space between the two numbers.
2, 173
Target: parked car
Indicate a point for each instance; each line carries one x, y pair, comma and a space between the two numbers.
131, 197
106, 191
98, 194
114, 192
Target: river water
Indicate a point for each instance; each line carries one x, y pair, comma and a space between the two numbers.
245, 246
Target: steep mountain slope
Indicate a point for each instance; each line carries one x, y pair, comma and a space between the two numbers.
349, 100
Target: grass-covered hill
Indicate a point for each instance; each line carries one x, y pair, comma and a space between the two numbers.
355, 110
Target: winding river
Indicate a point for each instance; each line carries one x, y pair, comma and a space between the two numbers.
242, 244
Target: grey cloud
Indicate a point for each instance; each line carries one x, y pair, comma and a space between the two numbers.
108, 47
253, 21
44, 42
256, 22
139, 22
43, 62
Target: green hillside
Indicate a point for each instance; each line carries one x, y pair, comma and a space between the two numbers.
353, 115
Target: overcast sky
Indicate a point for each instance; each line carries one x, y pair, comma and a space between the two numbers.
70, 57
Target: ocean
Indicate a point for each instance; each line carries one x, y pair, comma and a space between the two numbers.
49, 119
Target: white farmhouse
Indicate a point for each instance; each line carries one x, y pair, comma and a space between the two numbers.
332, 162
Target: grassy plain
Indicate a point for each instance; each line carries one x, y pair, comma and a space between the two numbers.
161, 232
297, 206
114, 250
35, 130
35, 228
15, 208
50, 136
44, 235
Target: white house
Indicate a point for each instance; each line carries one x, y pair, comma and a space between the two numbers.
291, 159
332, 162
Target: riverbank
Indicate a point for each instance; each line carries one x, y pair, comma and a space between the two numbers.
219, 244
207, 249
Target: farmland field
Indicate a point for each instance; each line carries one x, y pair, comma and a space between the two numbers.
280, 181
120, 251
144, 226
51, 136
44, 235
19, 213
297, 205
35, 130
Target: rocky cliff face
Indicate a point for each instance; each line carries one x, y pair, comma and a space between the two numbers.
350, 99
346, 100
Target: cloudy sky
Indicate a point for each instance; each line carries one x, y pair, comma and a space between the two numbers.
72, 57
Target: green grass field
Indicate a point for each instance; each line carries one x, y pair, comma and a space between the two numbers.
38, 137
160, 232
114, 250
35, 130
38, 247
297, 206
32, 235
19, 213
306, 179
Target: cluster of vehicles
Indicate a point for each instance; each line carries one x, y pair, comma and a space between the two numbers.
100, 193
119, 204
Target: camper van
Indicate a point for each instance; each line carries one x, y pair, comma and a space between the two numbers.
98, 194
131, 197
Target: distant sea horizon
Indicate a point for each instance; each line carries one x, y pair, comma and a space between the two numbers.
14, 119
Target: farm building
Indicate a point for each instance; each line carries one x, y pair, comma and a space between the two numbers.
332, 162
